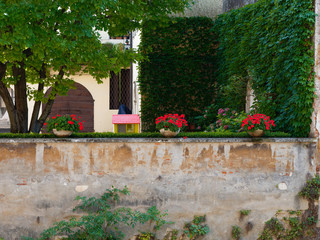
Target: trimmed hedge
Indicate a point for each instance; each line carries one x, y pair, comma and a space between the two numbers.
179, 75
145, 135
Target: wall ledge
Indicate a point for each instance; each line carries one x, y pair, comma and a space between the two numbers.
160, 140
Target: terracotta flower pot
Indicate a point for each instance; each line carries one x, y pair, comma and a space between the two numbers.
256, 133
168, 133
61, 133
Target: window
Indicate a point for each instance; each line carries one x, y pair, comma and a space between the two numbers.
120, 89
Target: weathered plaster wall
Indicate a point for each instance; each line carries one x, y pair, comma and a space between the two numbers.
315, 126
212, 8
217, 177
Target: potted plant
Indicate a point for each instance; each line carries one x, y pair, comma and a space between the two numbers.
65, 125
256, 124
170, 125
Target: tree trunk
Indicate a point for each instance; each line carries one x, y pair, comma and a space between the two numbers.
18, 111
21, 100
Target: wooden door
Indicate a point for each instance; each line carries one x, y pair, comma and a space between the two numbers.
78, 101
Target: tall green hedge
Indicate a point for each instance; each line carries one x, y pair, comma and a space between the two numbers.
179, 75
271, 41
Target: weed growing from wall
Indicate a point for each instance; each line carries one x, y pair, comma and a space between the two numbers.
245, 212
195, 229
103, 221
236, 232
172, 235
311, 190
296, 224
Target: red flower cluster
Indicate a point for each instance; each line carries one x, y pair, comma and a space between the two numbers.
171, 121
257, 121
66, 122
74, 119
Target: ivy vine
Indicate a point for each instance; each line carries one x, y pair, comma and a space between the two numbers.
271, 41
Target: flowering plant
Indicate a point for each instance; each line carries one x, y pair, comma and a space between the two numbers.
171, 121
228, 120
207, 117
66, 122
257, 121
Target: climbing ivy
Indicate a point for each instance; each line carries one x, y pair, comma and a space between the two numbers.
179, 75
271, 42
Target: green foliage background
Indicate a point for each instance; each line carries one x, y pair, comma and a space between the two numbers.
268, 43
271, 41
179, 75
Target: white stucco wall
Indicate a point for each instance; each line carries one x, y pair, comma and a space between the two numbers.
136, 98
100, 95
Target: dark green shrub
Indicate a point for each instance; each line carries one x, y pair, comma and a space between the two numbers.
208, 116
233, 92
179, 75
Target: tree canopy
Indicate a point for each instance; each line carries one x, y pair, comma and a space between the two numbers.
47, 42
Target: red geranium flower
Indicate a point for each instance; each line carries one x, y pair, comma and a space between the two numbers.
257, 121
174, 122
67, 122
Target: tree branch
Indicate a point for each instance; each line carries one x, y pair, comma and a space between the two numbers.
47, 109
34, 123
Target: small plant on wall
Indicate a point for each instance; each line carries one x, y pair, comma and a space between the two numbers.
102, 221
245, 212
196, 228
146, 236
296, 224
236, 232
311, 190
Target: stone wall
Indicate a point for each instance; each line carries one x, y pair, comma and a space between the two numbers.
39, 179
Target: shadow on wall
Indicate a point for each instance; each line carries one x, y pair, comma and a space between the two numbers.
233, 4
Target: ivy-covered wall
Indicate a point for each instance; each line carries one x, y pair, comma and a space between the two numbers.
179, 75
271, 41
